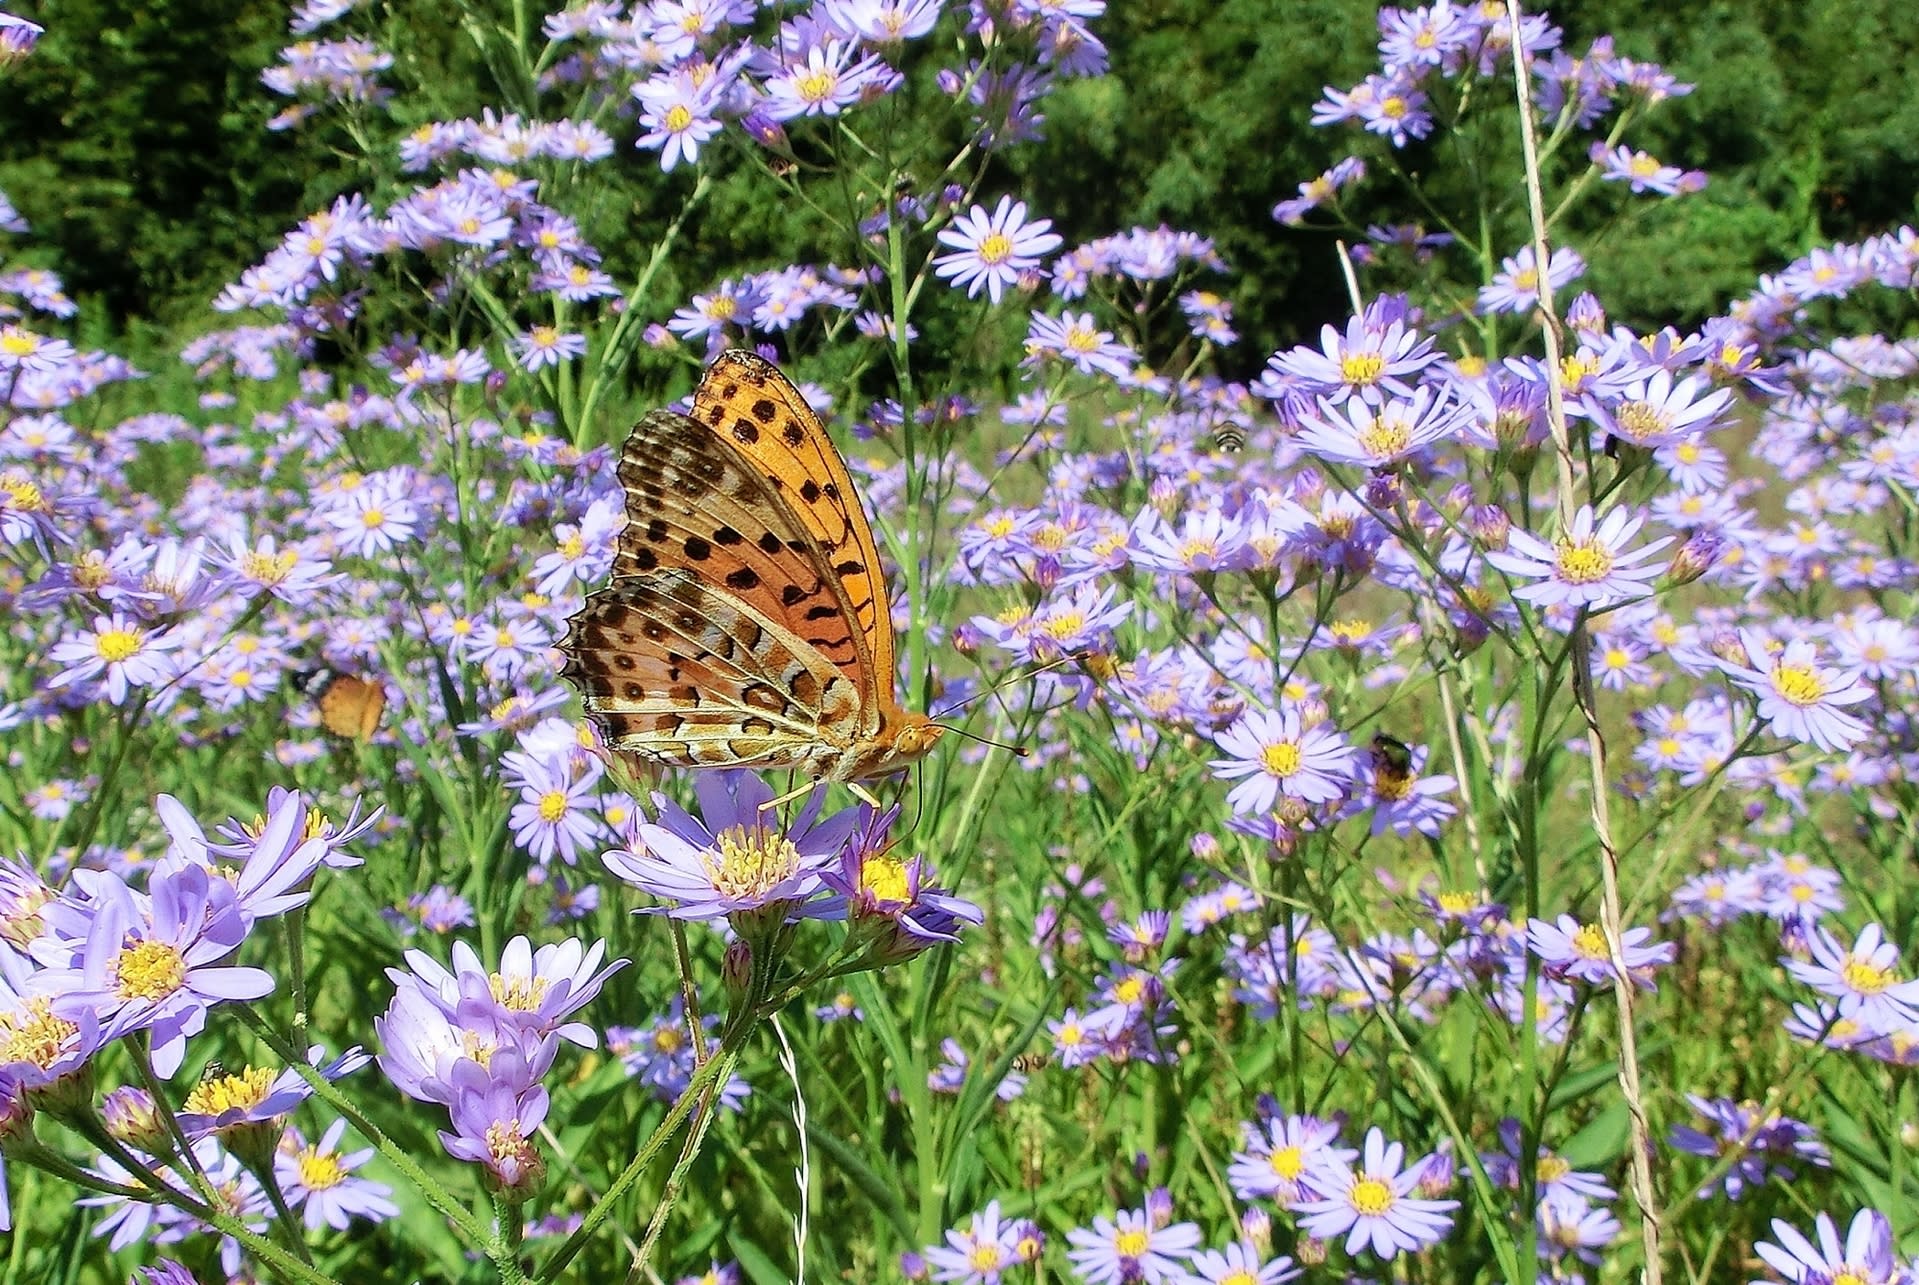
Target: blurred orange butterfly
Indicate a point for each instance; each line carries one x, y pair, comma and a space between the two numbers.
747, 622
348, 705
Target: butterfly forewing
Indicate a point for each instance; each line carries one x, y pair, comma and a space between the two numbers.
746, 400
695, 504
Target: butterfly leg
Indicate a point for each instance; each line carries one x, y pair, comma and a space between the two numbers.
788, 797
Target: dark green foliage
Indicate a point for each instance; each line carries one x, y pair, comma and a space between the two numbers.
134, 139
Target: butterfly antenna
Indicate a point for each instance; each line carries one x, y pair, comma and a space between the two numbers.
1070, 658
1017, 751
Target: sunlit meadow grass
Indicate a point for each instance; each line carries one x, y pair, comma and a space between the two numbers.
1465, 815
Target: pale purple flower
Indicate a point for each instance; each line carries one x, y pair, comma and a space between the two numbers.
1591, 565
1373, 1205
993, 250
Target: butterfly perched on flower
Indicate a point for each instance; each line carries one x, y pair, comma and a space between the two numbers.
348, 705
747, 622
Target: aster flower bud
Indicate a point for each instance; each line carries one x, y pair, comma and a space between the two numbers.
767, 132
1256, 1225
1727, 646
914, 1268
16, 1113
658, 337
736, 966
1437, 1172
1205, 846
1142, 1165
1309, 488
1159, 1207
132, 1117
1489, 525
1164, 496
1384, 492
1695, 557
1309, 1251
1031, 1242
1586, 315
1046, 572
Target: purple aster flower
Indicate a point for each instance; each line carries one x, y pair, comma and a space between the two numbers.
164, 1272
1282, 1155
1758, 1144
678, 115
1370, 361
893, 902
254, 1096
1641, 170
556, 812
1515, 288
1373, 1205
150, 964
1657, 410
497, 1112
830, 78
1588, 566
734, 859
1075, 338
980, 1253
1379, 435
1552, 1173
1572, 1226
116, 651
1865, 1258
544, 346
536, 990
1864, 979
278, 859
993, 250
319, 1181
422, 1045
1279, 756
1572, 950
1239, 1264
1799, 698
1129, 1247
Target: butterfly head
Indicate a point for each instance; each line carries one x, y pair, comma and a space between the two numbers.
913, 740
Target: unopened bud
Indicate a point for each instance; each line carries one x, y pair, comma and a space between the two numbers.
131, 1117
1696, 556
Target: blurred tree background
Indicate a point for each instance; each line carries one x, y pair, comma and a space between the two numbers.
135, 141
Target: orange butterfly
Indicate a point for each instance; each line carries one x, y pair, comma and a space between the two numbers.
747, 623
347, 704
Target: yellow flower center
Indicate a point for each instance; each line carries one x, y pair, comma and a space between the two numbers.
1129, 990
816, 86
1864, 978
21, 493
1640, 421
1370, 1198
517, 994
1798, 684
1288, 1163
1589, 942
750, 862
1583, 563
319, 1172
230, 1092
150, 970
995, 249
552, 806
1552, 1168
1131, 1244
33, 1034
883, 878
1361, 369
116, 645
1280, 760
986, 1257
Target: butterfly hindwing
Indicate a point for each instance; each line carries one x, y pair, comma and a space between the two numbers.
680, 673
